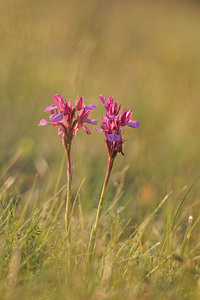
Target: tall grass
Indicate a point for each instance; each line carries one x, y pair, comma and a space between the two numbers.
160, 255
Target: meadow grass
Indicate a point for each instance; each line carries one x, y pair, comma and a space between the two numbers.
130, 262
146, 55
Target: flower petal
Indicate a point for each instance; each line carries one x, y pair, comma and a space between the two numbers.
90, 107
86, 130
56, 117
128, 115
133, 124
44, 122
51, 107
110, 100
97, 129
57, 100
111, 117
94, 122
113, 137
79, 104
103, 98
103, 125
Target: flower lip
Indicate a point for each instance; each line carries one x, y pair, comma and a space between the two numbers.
103, 125
94, 122
44, 122
56, 117
113, 137
133, 124
111, 117
90, 107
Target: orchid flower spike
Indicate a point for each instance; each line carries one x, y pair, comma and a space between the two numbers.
67, 118
112, 123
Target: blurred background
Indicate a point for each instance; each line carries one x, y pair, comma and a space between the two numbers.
146, 54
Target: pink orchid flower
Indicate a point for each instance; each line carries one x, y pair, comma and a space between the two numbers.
112, 125
67, 118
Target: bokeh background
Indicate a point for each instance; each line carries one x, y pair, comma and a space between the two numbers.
146, 54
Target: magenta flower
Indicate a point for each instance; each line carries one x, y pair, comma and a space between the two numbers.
112, 125
67, 118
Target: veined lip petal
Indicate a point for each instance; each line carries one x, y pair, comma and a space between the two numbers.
51, 107
44, 122
111, 117
90, 107
133, 124
103, 125
94, 122
56, 117
113, 137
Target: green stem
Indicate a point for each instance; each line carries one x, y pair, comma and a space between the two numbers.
67, 144
69, 183
68, 204
91, 246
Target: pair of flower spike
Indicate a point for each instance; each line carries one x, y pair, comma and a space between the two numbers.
70, 119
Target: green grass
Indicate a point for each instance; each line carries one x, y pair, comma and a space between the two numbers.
131, 262
146, 55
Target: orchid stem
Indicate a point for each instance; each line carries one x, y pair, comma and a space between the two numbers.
68, 204
92, 241
69, 183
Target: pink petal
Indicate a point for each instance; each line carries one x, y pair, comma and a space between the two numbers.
94, 122
123, 114
86, 130
51, 107
129, 114
57, 100
56, 117
133, 124
111, 117
113, 137
44, 122
70, 105
103, 98
110, 100
103, 125
97, 129
61, 97
90, 107
79, 103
